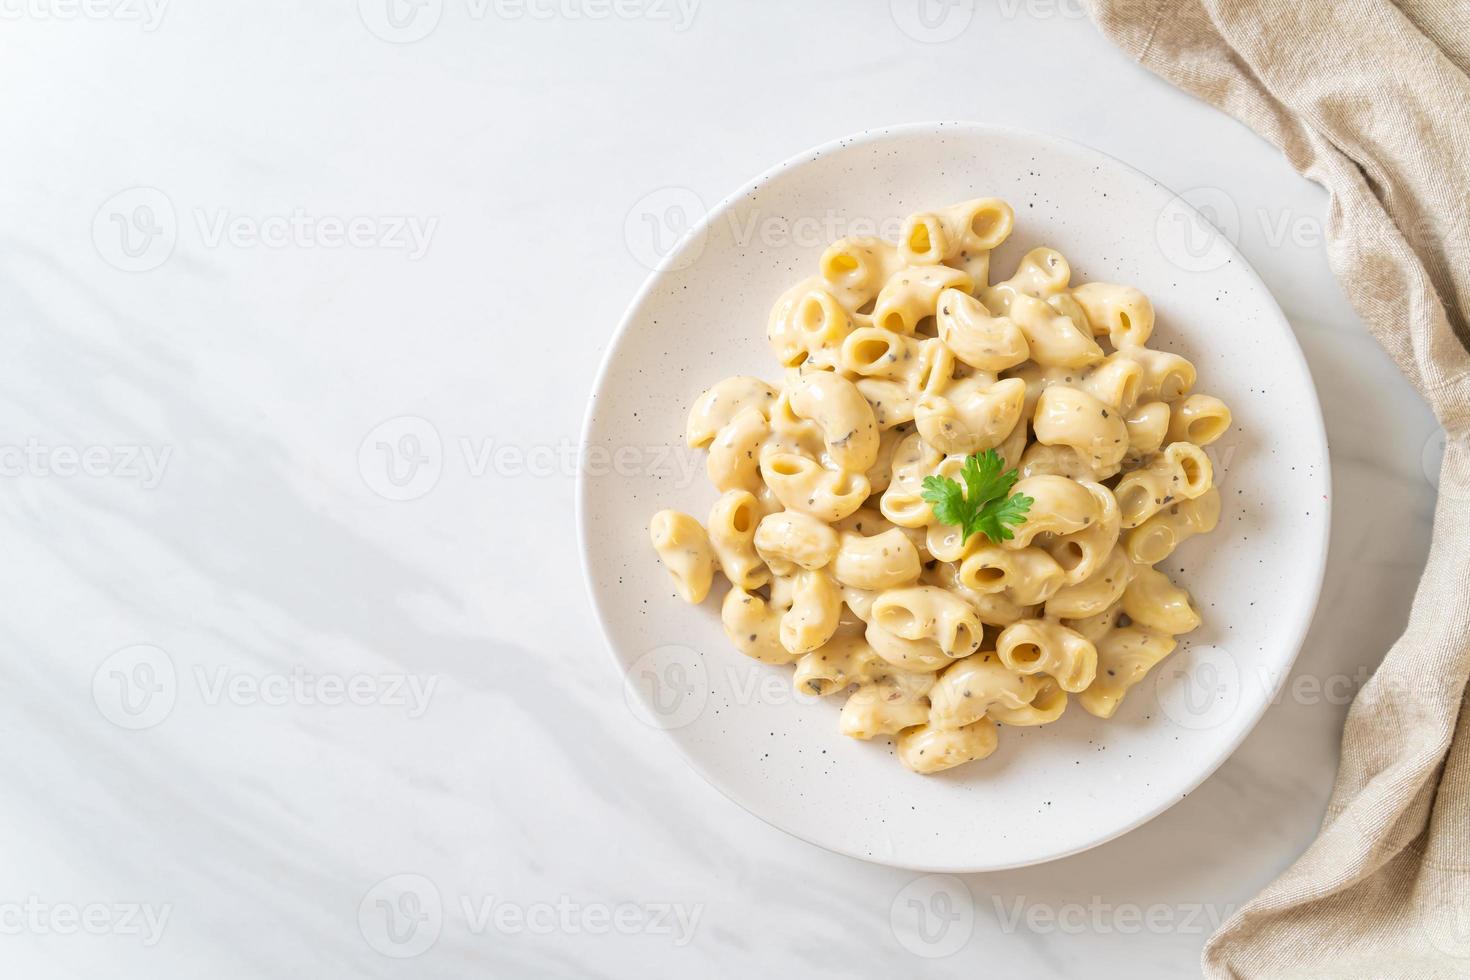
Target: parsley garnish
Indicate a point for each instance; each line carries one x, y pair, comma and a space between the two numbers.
983, 504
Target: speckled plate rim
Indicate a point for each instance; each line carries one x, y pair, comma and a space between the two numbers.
1295, 631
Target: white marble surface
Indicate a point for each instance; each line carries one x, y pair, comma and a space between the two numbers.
246, 696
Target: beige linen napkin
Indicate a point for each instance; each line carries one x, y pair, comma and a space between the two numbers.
1371, 99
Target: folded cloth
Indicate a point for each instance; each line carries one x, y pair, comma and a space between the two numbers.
1371, 99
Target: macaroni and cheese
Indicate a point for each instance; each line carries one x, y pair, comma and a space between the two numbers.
900, 361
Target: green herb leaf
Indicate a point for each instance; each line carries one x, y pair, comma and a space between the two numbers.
996, 515
948, 499
983, 505
984, 479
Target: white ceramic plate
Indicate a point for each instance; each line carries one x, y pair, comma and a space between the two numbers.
1050, 791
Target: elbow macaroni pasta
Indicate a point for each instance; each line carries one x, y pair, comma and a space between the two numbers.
899, 360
